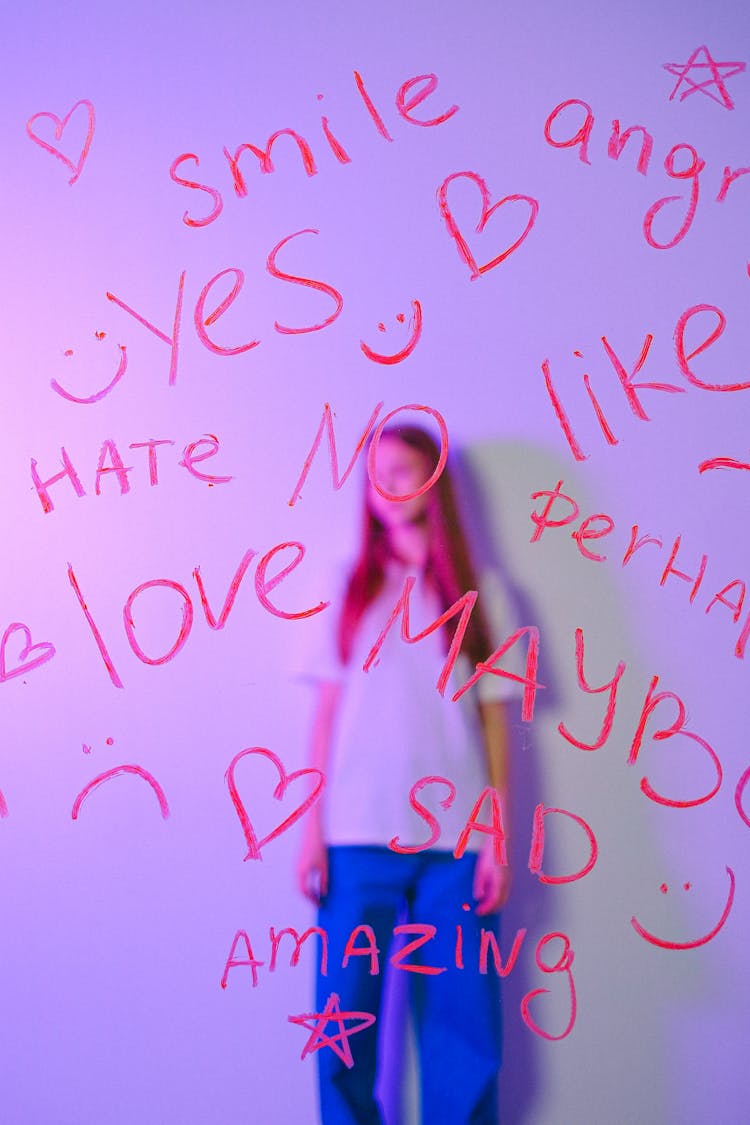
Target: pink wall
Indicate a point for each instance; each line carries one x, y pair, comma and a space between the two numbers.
118, 922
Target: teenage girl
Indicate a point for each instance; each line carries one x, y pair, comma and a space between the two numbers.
374, 735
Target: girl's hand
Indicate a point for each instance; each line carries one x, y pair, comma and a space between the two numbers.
312, 862
491, 881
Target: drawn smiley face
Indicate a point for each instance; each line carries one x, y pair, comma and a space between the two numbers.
89, 399
665, 943
414, 335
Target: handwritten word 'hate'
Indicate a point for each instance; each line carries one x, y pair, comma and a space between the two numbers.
110, 462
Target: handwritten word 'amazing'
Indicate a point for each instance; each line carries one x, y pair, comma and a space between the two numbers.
362, 942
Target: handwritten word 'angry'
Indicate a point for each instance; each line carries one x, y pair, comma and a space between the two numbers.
682, 164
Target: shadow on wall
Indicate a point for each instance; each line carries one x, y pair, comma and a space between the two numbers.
618, 976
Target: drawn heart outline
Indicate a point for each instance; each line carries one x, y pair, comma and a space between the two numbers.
45, 649
488, 209
76, 169
285, 780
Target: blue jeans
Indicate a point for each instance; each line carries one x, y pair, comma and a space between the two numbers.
456, 1012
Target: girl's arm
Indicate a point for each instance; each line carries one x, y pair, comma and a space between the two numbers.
492, 880
312, 862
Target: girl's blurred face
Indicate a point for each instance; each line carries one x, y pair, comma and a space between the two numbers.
399, 469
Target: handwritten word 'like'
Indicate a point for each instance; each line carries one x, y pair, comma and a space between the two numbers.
211, 306
627, 378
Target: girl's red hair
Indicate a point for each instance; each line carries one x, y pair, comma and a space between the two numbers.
448, 567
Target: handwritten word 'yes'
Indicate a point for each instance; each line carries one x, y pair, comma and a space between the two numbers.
210, 307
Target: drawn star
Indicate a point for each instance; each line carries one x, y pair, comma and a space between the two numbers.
719, 71
338, 1042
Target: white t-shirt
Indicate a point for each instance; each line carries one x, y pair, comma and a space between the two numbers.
393, 727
